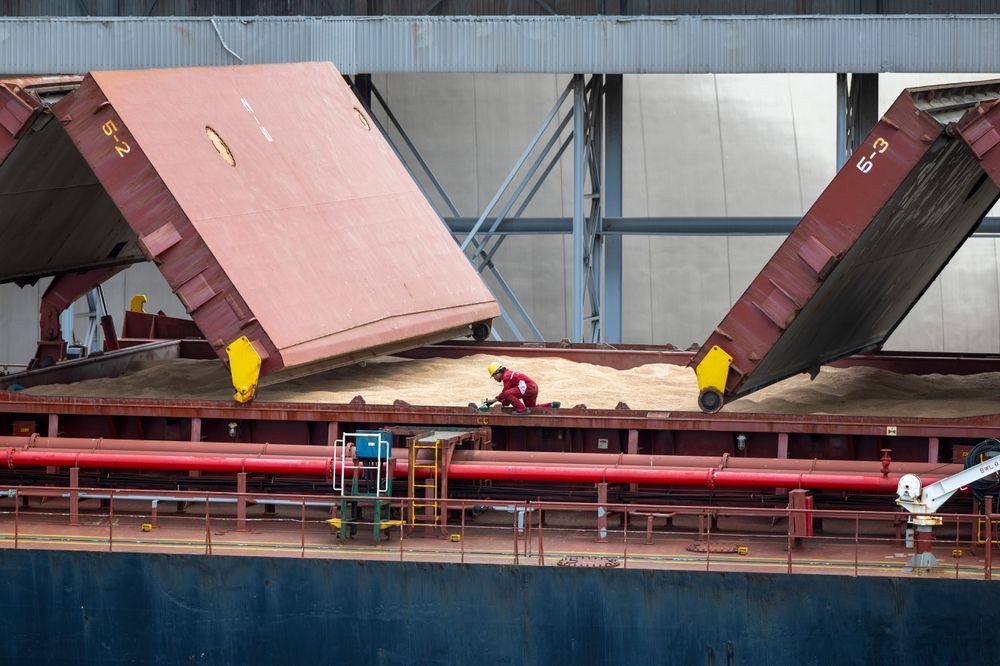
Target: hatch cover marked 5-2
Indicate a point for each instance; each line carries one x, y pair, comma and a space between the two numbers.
111, 130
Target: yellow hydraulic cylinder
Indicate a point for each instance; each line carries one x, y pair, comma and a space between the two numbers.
244, 367
712, 373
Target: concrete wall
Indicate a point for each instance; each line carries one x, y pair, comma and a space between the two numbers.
740, 145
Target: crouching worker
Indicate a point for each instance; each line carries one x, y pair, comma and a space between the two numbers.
519, 390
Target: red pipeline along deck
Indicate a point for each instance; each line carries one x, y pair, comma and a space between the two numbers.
869, 247
272, 205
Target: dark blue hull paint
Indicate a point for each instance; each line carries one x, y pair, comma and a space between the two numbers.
98, 608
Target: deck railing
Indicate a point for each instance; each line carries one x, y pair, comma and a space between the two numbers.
523, 533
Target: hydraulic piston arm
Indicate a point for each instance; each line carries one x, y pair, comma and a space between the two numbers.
61, 293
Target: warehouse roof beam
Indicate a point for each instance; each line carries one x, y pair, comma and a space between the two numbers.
512, 44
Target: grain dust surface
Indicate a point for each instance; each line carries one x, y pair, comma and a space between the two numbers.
856, 391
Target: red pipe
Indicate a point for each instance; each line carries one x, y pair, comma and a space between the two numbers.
711, 478
35, 458
726, 462
167, 447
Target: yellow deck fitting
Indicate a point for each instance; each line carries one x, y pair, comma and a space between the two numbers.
147, 527
383, 525
135, 305
244, 367
712, 373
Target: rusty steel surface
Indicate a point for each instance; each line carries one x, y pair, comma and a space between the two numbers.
54, 215
108, 364
265, 195
890, 428
872, 243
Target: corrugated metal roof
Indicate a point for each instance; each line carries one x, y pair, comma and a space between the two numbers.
560, 44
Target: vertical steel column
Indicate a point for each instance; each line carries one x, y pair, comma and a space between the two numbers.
782, 455
633, 449
862, 108
841, 120
579, 173
66, 320
782, 445
363, 88
593, 249
611, 303
91, 341
602, 512
933, 445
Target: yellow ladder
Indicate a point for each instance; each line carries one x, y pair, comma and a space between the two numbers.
428, 487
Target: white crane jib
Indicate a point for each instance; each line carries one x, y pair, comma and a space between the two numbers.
927, 500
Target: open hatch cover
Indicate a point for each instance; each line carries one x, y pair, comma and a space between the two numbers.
265, 194
873, 242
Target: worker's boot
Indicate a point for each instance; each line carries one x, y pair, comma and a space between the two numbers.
555, 404
523, 412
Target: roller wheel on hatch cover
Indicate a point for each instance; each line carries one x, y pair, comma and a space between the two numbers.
710, 400
480, 331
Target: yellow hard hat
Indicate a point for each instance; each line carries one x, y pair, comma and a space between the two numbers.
495, 367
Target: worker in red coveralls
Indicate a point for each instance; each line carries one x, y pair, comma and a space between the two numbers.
519, 390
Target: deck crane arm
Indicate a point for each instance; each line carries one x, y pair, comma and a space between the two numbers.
919, 500
982, 463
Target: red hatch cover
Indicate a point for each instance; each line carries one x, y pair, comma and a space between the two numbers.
869, 247
265, 195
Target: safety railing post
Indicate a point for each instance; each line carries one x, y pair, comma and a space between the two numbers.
208, 529
857, 541
462, 535
527, 529
790, 539
111, 521
541, 538
17, 518
74, 496
708, 541
241, 502
989, 537
402, 531
625, 537
958, 543
516, 546
302, 523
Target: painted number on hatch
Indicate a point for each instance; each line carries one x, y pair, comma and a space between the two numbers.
121, 146
865, 164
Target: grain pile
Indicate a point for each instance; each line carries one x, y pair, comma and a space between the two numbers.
657, 387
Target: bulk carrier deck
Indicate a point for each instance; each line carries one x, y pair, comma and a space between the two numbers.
397, 522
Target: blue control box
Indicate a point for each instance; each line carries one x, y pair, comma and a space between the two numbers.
368, 443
